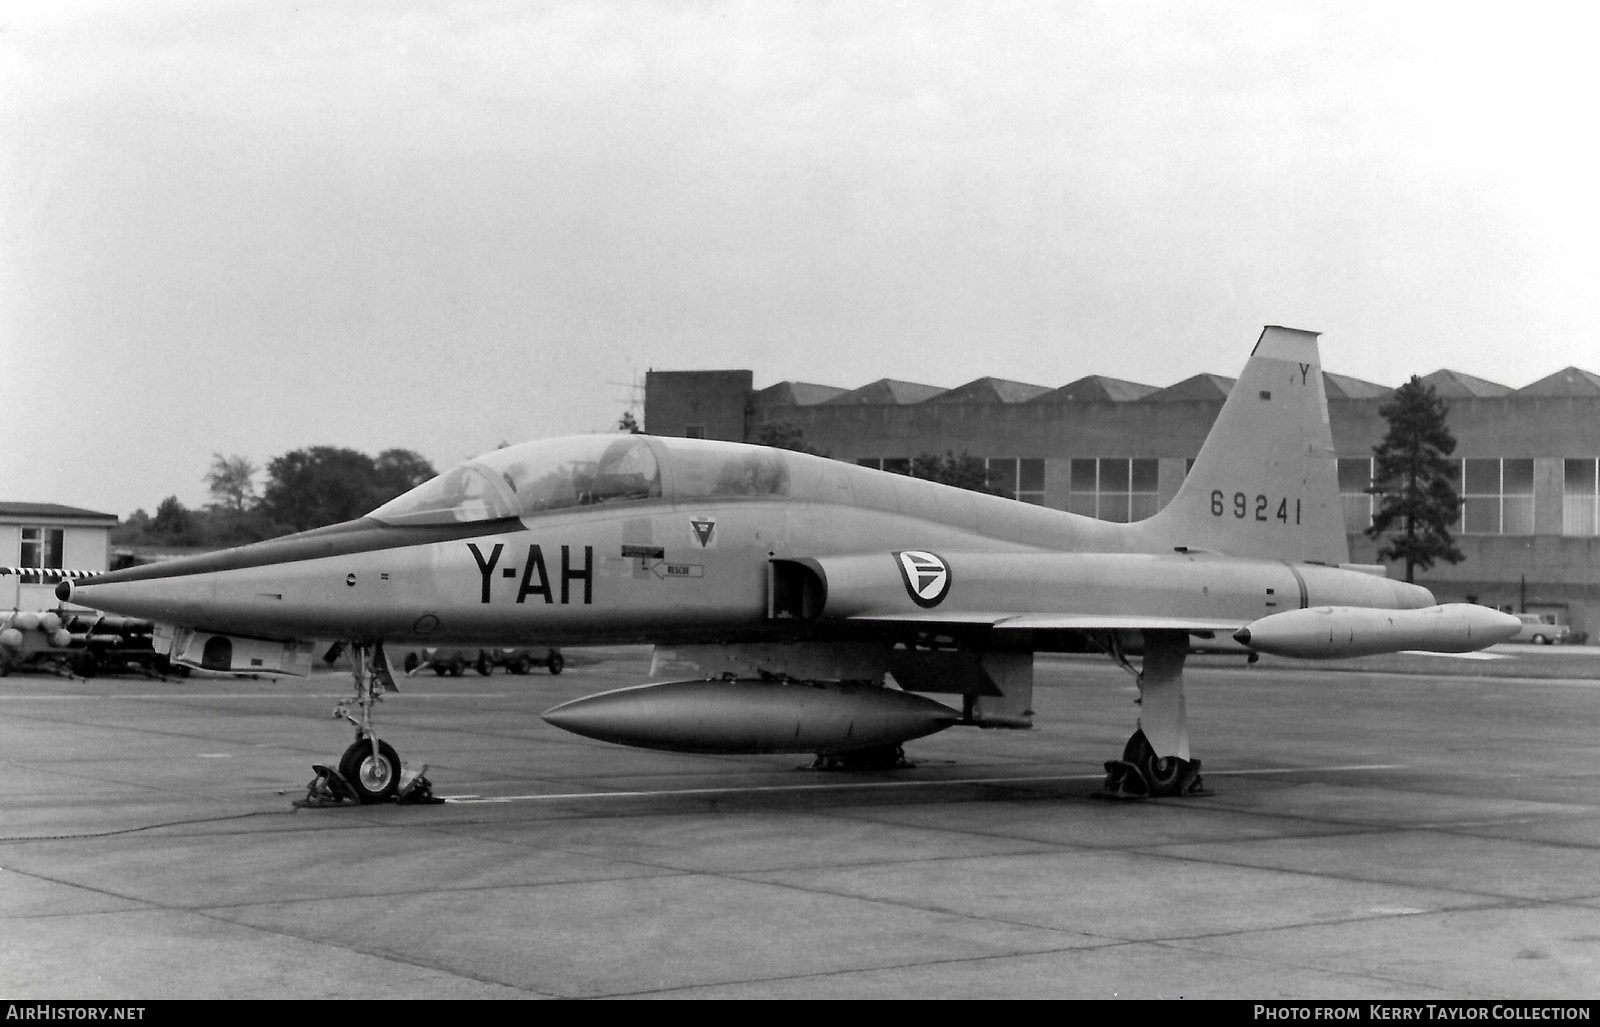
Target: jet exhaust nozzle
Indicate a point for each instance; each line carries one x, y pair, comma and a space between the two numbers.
754, 716
1332, 632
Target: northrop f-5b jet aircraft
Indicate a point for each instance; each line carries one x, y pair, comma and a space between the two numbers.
819, 604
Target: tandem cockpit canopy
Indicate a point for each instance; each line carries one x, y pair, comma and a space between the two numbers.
532, 478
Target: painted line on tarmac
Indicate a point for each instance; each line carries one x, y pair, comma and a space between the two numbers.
296, 696
466, 800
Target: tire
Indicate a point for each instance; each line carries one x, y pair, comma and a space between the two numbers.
457, 668
411, 662
521, 665
555, 662
439, 669
484, 666
375, 780
1162, 774
1540, 640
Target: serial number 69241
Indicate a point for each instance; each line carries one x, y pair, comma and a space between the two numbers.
1258, 507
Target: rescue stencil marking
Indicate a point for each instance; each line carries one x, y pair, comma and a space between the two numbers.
926, 576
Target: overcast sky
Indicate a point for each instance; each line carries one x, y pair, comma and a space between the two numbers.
247, 228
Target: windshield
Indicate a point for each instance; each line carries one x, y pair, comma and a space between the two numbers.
465, 493
549, 474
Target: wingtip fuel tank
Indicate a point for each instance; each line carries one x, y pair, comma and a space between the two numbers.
753, 716
1333, 632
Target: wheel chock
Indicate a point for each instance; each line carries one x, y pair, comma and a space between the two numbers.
1190, 783
416, 789
328, 788
1125, 781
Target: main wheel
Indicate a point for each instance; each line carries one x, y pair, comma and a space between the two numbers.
521, 665
484, 666
411, 662
1161, 773
375, 779
556, 662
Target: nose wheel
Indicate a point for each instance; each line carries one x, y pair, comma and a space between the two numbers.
372, 770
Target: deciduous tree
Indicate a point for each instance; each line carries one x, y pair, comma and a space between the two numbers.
308, 488
231, 481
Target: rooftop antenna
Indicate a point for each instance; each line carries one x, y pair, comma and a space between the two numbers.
633, 402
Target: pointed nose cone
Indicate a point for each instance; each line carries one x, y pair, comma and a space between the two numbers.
204, 588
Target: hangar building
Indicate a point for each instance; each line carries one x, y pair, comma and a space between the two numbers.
1530, 456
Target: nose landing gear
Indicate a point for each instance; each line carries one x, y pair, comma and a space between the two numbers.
370, 770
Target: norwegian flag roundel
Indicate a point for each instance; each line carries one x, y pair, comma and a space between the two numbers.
926, 575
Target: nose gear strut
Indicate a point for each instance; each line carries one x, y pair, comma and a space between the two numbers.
370, 770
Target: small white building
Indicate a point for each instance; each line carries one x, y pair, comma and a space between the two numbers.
46, 537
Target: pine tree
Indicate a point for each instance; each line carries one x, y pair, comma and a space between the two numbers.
1413, 476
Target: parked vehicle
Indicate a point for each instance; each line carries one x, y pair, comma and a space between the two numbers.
1541, 629
455, 662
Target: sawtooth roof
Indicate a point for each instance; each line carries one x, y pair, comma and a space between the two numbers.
886, 390
1455, 385
1200, 386
1097, 388
800, 394
990, 390
1569, 381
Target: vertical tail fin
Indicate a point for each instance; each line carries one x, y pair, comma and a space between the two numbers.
1266, 481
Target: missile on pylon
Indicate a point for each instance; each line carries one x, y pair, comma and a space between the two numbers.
1332, 632
754, 716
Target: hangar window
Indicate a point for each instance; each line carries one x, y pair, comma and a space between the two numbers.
1580, 497
1021, 479
1355, 477
1496, 496
1116, 488
41, 547
892, 464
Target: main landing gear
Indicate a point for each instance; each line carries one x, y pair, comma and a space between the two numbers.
1159, 767
370, 769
